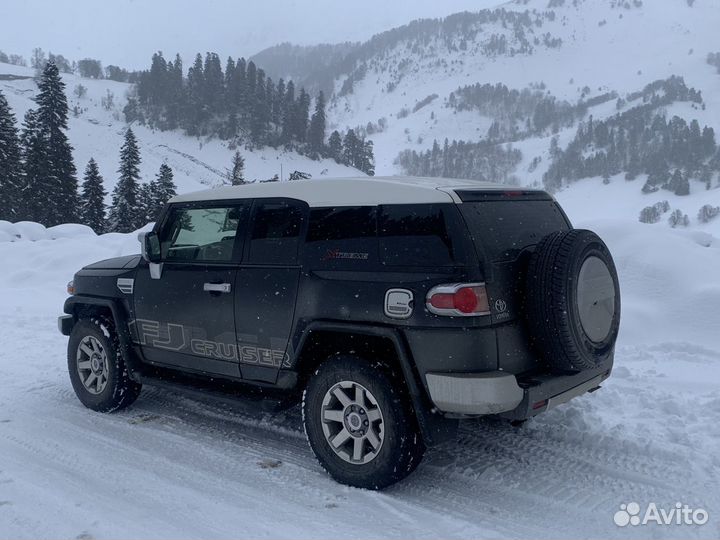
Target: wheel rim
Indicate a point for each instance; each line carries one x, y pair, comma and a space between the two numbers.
352, 422
92, 364
596, 299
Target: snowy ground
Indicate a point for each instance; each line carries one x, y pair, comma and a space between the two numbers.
171, 466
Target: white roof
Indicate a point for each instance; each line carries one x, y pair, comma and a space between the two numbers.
364, 191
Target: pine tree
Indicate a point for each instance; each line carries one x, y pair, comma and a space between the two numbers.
679, 183
176, 94
92, 199
351, 149
195, 114
214, 90
316, 131
236, 175
268, 101
706, 175
162, 189
157, 81
145, 205
32, 152
278, 102
249, 92
335, 148
9, 164
367, 162
230, 104
302, 112
260, 116
125, 212
240, 85
58, 184
288, 116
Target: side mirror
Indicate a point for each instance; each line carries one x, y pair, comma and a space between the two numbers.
149, 246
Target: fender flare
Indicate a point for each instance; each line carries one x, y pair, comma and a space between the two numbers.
120, 319
434, 427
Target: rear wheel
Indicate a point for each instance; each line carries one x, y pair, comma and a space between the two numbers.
360, 425
96, 367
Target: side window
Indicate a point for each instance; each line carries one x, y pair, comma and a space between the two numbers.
415, 235
276, 228
342, 236
204, 234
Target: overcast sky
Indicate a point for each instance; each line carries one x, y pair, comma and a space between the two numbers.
127, 32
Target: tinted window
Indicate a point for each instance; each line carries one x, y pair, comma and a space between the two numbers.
201, 234
502, 229
341, 223
275, 232
415, 235
342, 237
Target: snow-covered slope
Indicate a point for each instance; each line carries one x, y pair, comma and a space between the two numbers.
197, 163
600, 46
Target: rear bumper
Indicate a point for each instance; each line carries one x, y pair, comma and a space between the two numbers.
474, 393
506, 395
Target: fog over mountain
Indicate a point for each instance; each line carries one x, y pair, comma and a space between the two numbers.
126, 32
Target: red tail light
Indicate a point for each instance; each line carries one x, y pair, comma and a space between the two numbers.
458, 300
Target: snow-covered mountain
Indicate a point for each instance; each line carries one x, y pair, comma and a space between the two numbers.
596, 55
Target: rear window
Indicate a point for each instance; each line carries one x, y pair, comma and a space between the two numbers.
415, 235
502, 228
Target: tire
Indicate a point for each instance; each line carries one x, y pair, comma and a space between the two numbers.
572, 301
94, 350
401, 446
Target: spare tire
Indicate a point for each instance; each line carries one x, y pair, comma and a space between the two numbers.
572, 301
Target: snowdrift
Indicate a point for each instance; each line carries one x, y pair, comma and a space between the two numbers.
31, 231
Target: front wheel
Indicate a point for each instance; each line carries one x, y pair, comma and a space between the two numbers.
360, 424
97, 371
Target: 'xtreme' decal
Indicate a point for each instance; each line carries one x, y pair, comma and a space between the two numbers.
180, 338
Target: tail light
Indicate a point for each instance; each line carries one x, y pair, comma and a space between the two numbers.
458, 300
71, 288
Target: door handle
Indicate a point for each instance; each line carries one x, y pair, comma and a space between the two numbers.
216, 287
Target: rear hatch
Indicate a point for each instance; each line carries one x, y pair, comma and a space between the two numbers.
505, 226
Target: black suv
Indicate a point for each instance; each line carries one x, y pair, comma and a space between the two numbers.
391, 308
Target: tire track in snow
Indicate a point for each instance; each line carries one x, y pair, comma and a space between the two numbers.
562, 475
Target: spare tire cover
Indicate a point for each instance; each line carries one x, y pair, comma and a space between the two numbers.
572, 301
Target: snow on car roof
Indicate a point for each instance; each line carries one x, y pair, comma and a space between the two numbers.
368, 191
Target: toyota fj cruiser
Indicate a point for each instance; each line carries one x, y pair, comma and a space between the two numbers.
391, 308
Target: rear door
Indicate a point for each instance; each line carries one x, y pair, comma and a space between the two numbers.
185, 319
266, 286
505, 227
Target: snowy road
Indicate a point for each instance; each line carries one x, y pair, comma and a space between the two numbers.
175, 467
